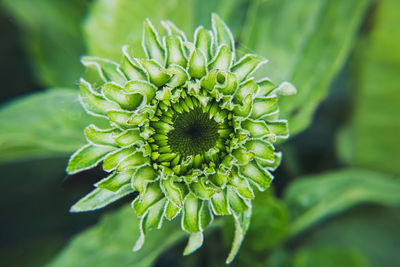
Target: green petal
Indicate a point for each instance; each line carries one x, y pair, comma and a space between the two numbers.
133, 161
219, 179
151, 43
222, 33
101, 137
246, 88
100, 198
142, 177
116, 93
190, 217
173, 191
171, 210
87, 157
120, 118
244, 109
201, 190
179, 76
107, 70
266, 87
206, 215
195, 242
264, 106
197, 67
156, 72
148, 198
128, 138
152, 219
261, 178
223, 60
142, 88
113, 159
261, 149
256, 128
116, 180
93, 102
203, 41
242, 186
271, 165
174, 51
236, 204
242, 223
242, 156
247, 65
219, 203
279, 128
130, 66
173, 30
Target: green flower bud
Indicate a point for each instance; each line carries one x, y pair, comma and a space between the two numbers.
190, 129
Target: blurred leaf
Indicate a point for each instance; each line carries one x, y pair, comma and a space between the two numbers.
269, 223
372, 137
314, 198
52, 37
329, 257
45, 124
307, 42
110, 243
370, 230
114, 23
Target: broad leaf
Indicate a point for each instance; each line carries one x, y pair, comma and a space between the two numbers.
46, 124
314, 198
372, 138
306, 43
110, 243
52, 37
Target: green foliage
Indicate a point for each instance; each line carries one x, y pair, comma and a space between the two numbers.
314, 198
372, 138
306, 42
110, 243
47, 124
51, 35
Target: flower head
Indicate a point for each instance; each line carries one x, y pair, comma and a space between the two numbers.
190, 129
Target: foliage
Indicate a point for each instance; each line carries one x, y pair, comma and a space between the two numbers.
343, 210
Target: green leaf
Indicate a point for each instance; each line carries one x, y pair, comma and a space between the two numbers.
114, 23
371, 139
370, 230
46, 124
329, 257
314, 44
314, 198
52, 37
110, 243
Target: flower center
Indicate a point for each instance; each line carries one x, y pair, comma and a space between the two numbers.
194, 133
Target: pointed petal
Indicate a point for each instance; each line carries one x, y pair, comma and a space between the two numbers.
261, 149
173, 30
223, 60
100, 198
174, 51
195, 242
101, 137
197, 67
142, 177
222, 33
190, 217
107, 70
247, 65
261, 178
115, 181
156, 72
113, 159
151, 43
87, 157
93, 102
148, 198
264, 106
219, 203
256, 128
116, 93
203, 40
